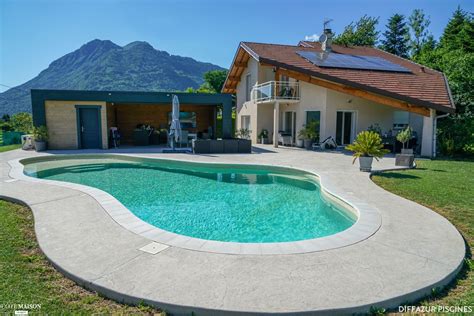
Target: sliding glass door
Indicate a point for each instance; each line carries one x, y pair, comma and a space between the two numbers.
345, 127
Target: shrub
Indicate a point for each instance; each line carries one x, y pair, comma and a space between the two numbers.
455, 134
243, 133
22, 122
309, 131
263, 134
367, 144
40, 134
404, 136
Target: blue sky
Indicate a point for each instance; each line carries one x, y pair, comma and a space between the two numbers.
33, 33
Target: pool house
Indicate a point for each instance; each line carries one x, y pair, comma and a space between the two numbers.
79, 119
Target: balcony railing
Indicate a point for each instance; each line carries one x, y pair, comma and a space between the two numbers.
276, 91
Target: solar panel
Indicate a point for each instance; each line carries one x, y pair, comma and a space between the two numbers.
335, 60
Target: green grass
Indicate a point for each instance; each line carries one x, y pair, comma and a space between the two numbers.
9, 147
26, 277
447, 187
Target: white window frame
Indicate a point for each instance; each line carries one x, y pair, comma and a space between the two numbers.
248, 86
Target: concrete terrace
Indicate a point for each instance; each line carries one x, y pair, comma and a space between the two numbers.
413, 251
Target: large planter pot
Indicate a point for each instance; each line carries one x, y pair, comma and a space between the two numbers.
216, 146
299, 143
244, 146
308, 143
264, 140
365, 163
40, 146
407, 151
231, 146
404, 160
201, 146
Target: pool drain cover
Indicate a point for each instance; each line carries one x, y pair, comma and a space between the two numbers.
153, 248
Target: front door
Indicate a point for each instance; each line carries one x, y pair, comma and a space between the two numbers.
89, 127
345, 127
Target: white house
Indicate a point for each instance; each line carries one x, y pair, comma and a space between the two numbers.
280, 88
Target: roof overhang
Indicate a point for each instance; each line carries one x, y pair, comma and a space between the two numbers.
239, 64
38, 98
411, 102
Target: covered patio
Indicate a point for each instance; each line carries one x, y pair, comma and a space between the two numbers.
78, 119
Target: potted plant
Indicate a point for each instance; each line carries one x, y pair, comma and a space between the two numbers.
406, 157
308, 134
40, 136
404, 137
263, 136
243, 133
367, 146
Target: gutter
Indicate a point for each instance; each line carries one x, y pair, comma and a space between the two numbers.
435, 134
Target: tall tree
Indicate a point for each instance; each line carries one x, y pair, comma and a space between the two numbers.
454, 56
459, 33
360, 33
397, 36
419, 24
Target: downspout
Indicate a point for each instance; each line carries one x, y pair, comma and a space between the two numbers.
435, 134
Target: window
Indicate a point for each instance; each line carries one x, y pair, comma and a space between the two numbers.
245, 122
248, 87
314, 116
401, 119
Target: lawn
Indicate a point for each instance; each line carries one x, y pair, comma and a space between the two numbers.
447, 187
9, 147
26, 277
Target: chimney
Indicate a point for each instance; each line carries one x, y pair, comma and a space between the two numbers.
326, 44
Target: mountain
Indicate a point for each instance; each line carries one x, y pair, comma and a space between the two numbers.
103, 65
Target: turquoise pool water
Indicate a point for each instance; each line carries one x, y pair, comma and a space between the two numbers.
216, 202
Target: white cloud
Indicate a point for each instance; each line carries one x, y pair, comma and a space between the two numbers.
312, 38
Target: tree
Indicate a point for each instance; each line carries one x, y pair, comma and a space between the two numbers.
397, 36
361, 33
22, 122
216, 79
454, 56
213, 82
419, 24
459, 33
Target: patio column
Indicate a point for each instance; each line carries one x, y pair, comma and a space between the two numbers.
428, 145
276, 121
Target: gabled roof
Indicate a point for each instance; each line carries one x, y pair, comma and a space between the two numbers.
422, 87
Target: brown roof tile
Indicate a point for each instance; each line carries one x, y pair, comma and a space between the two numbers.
423, 86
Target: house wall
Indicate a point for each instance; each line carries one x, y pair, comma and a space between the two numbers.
244, 107
367, 112
61, 121
315, 98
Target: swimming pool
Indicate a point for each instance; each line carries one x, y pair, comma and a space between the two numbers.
221, 202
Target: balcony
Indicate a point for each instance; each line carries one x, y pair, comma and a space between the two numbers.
271, 91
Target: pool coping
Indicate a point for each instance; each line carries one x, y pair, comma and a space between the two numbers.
368, 222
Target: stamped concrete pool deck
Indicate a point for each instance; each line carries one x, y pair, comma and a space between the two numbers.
413, 250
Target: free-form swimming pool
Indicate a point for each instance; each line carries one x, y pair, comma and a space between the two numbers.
238, 203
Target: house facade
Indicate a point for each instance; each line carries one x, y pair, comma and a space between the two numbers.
281, 88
